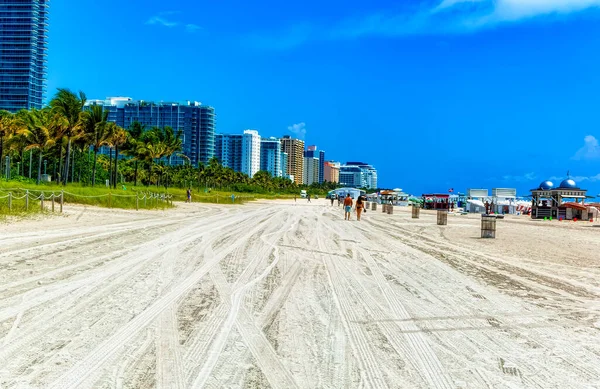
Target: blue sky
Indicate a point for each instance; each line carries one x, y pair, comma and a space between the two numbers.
436, 94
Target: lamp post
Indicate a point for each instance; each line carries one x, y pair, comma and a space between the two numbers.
45, 163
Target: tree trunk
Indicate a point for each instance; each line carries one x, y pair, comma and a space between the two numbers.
135, 173
94, 166
116, 165
1, 153
39, 176
73, 167
80, 166
109, 166
68, 159
60, 165
31, 161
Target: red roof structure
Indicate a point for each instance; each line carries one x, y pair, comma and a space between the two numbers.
574, 206
437, 195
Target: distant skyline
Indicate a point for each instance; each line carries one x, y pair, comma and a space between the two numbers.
435, 94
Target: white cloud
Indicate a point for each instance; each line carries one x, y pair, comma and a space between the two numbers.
595, 178
446, 17
577, 179
590, 149
298, 129
518, 9
522, 178
192, 27
161, 21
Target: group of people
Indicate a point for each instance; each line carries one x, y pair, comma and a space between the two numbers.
360, 206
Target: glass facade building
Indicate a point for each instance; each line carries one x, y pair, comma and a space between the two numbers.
270, 156
23, 39
312, 152
228, 150
197, 123
358, 175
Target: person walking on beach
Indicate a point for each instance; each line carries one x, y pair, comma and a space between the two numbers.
360, 206
189, 195
332, 198
347, 207
294, 198
308, 198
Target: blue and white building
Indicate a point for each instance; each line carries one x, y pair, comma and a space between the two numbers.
250, 152
196, 121
23, 46
358, 174
270, 156
228, 150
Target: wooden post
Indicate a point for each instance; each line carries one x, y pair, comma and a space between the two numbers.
62, 196
52, 202
42, 201
9, 201
137, 202
27, 200
109, 199
145, 197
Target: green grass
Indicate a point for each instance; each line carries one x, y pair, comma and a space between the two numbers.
77, 194
147, 197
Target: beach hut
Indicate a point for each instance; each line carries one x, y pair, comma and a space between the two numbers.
503, 200
401, 197
565, 202
436, 201
388, 197
353, 192
475, 206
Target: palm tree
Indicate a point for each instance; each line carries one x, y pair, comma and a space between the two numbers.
39, 133
7, 128
95, 131
118, 137
69, 107
135, 134
15, 143
172, 141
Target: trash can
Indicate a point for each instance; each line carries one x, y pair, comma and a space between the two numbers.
416, 211
373, 206
488, 226
442, 218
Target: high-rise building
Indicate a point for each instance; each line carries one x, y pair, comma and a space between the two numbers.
250, 152
270, 156
294, 149
228, 150
358, 175
351, 176
284, 163
321, 166
312, 152
311, 170
332, 172
23, 28
196, 121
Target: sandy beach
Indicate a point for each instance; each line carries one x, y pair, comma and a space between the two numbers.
289, 295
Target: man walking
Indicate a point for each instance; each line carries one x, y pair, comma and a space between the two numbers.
347, 207
308, 197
